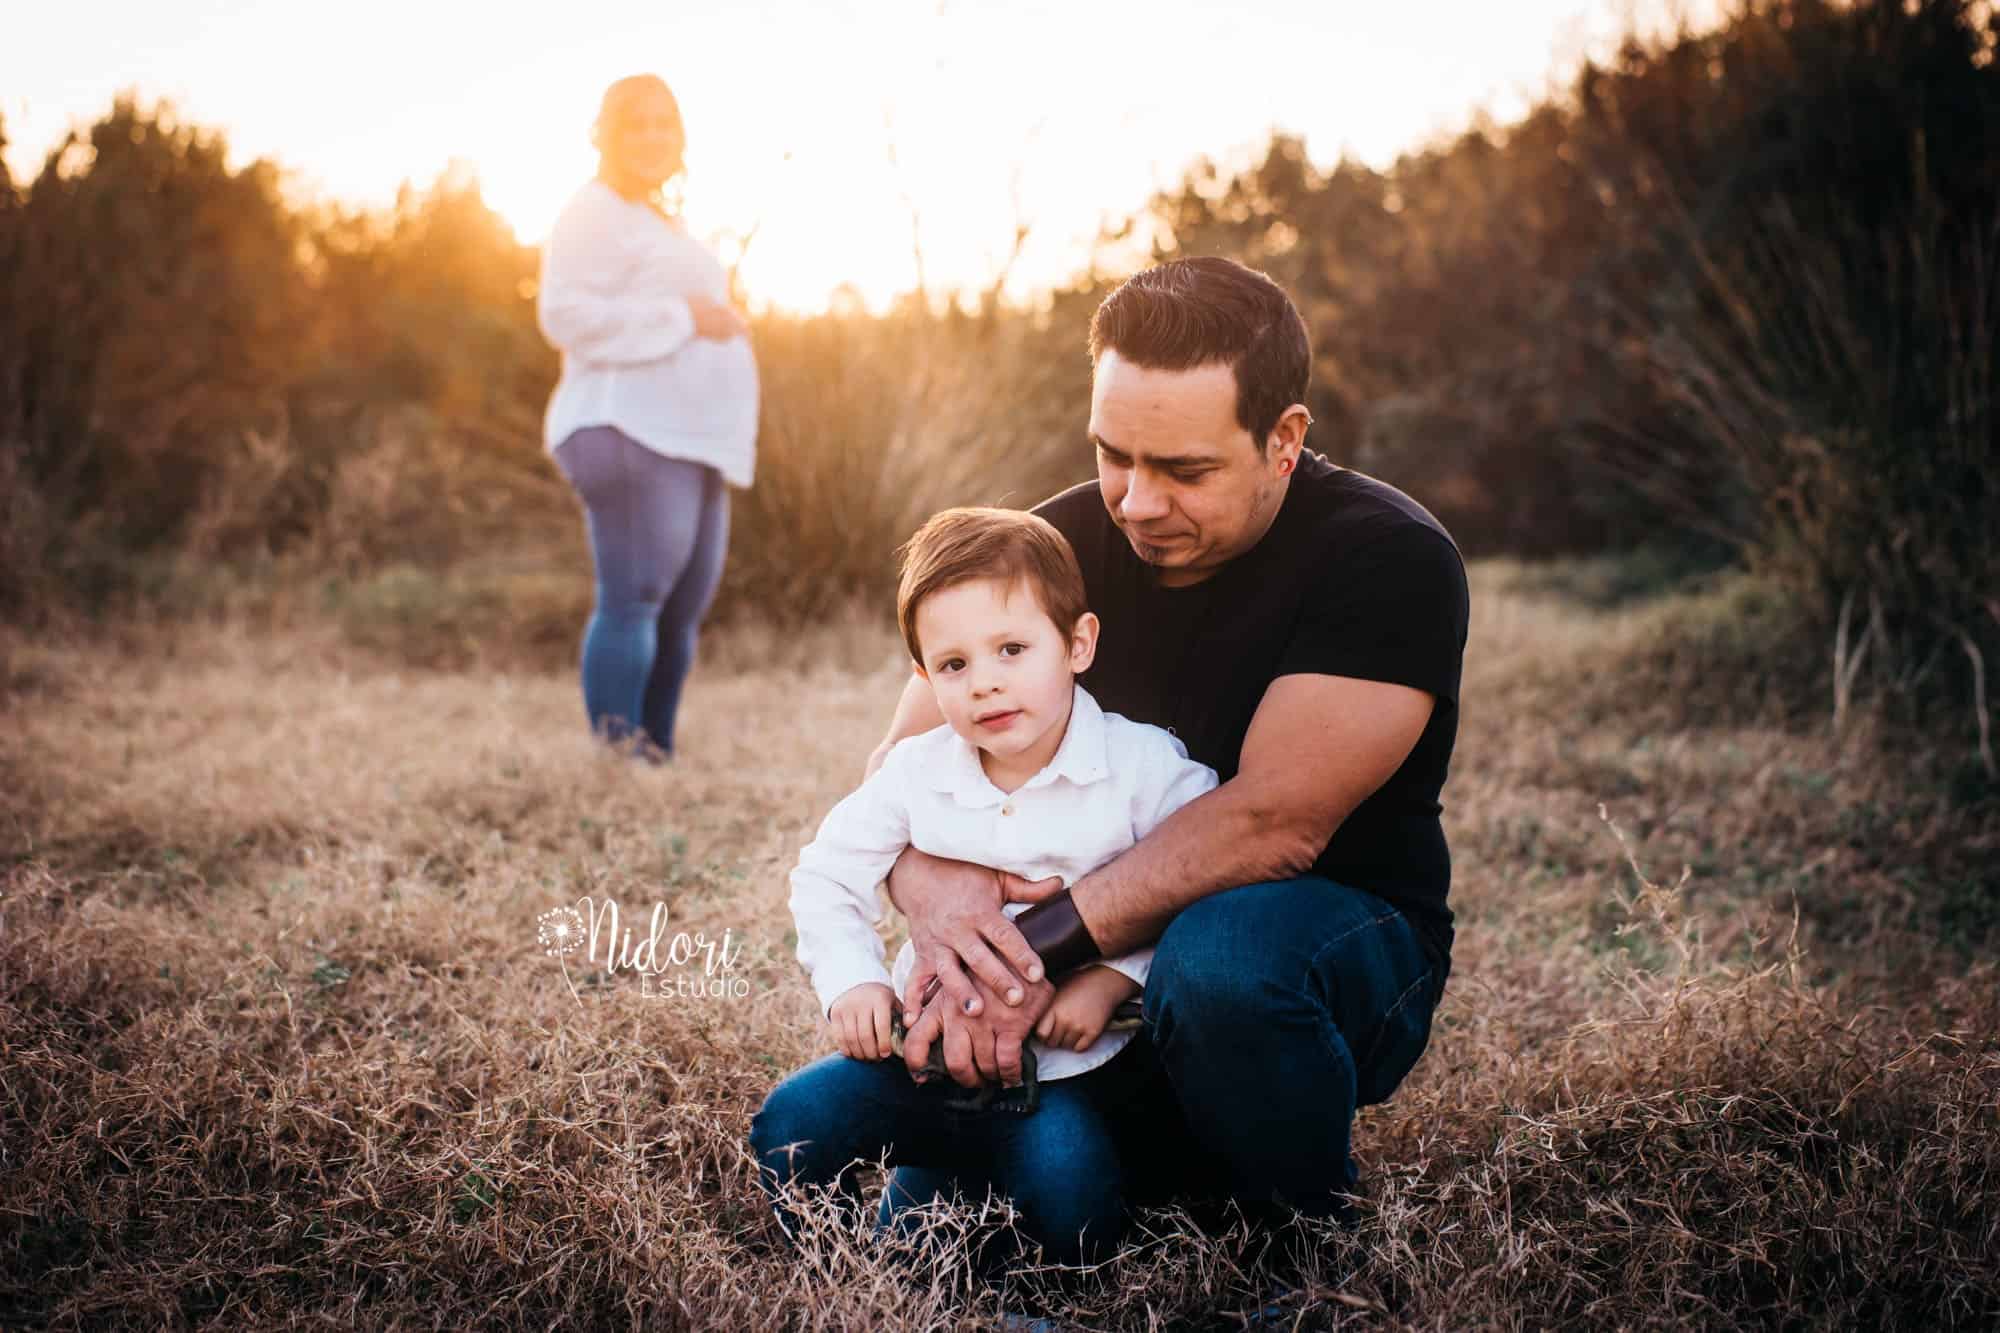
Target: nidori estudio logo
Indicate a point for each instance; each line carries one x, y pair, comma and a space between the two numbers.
677, 966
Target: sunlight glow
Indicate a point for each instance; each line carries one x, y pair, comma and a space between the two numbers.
840, 137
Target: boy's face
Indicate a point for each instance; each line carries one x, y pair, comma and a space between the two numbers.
1002, 672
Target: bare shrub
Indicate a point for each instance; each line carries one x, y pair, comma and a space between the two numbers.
870, 426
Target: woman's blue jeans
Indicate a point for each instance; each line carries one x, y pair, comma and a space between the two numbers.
659, 528
1273, 1012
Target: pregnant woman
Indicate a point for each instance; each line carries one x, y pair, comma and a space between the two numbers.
655, 413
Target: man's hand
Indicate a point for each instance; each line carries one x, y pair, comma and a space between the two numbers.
978, 1048
956, 926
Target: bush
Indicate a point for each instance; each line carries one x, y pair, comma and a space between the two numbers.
150, 328
871, 425
1816, 313
1734, 291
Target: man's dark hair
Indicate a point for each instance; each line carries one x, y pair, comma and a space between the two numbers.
1195, 312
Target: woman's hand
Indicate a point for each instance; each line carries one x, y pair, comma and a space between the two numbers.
716, 321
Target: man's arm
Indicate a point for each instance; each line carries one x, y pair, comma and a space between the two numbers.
916, 712
1317, 747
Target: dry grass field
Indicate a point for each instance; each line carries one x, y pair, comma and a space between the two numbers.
279, 1047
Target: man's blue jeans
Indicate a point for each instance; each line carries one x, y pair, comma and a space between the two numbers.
1273, 1012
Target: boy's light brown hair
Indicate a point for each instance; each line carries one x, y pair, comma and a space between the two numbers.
956, 546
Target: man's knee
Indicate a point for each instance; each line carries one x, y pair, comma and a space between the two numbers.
1205, 973
1246, 955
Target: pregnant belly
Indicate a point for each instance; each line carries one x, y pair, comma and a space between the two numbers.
712, 385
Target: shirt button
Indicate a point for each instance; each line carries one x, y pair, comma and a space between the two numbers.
1007, 809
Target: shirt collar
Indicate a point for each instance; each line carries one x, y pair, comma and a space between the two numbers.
1082, 758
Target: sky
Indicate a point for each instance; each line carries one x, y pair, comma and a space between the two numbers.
851, 135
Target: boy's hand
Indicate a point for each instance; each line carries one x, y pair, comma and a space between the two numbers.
860, 1019
1083, 1004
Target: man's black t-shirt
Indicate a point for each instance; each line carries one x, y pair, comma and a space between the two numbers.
1353, 578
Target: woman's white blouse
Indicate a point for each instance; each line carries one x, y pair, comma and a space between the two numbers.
613, 299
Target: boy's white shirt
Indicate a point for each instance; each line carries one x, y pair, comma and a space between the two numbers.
1111, 782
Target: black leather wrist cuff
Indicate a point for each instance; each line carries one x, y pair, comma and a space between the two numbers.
1057, 934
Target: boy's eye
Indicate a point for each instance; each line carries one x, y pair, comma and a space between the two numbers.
1013, 649
951, 664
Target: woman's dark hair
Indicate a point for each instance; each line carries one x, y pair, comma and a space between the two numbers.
1195, 312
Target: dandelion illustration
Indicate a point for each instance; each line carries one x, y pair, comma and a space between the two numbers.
560, 933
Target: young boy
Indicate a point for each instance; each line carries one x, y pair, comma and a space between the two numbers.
1028, 775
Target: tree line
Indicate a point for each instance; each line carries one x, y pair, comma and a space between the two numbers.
1731, 293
